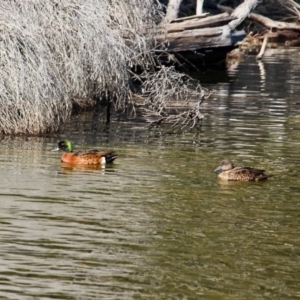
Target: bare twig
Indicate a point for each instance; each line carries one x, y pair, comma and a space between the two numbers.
168, 92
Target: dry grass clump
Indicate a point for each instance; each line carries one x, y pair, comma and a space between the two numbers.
55, 53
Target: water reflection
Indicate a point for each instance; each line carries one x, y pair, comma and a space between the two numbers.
157, 224
73, 167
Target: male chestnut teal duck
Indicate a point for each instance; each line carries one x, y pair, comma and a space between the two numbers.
84, 157
227, 171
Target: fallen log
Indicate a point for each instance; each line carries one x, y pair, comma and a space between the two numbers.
197, 23
200, 32
271, 24
191, 40
242, 12
204, 15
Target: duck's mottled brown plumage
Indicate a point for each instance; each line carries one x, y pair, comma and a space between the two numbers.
227, 171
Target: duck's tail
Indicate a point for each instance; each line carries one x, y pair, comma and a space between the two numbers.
263, 176
109, 156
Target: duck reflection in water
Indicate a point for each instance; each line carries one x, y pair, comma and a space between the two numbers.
227, 171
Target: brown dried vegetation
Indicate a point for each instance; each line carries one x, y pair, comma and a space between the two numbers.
55, 54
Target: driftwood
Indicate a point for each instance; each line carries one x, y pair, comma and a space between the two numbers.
192, 40
263, 48
289, 31
173, 8
265, 21
242, 12
271, 24
199, 7
197, 23
200, 32
204, 15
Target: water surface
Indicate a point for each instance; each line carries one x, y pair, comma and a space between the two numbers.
157, 224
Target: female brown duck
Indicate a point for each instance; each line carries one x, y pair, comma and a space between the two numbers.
227, 171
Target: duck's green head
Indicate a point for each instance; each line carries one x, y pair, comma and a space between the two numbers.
64, 146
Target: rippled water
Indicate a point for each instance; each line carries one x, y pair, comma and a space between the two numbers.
157, 224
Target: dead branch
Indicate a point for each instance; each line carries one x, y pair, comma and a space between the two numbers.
242, 12
199, 22
263, 48
168, 96
271, 24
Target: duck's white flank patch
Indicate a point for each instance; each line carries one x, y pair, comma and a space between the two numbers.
103, 160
